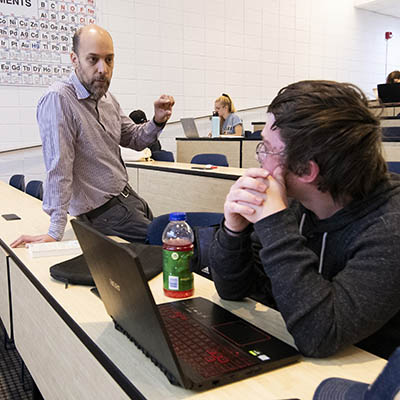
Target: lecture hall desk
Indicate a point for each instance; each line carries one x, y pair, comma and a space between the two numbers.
72, 350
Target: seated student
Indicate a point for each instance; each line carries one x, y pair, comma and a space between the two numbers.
385, 386
231, 124
329, 259
393, 77
139, 117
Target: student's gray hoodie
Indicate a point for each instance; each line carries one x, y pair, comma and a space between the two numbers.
336, 281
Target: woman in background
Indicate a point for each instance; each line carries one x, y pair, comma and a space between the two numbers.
393, 77
231, 124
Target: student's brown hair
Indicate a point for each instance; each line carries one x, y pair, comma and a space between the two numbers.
392, 76
331, 124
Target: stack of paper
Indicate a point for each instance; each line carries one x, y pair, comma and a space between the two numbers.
54, 248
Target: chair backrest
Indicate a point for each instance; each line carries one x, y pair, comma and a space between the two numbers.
156, 227
210, 158
163, 155
394, 166
256, 135
247, 134
391, 134
18, 181
35, 189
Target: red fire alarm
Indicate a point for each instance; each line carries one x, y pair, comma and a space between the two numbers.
388, 35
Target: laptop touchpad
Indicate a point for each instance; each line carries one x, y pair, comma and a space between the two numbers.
241, 333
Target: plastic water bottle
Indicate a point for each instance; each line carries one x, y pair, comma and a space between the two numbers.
177, 251
215, 121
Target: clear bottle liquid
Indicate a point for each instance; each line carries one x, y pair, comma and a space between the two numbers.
177, 251
215, 125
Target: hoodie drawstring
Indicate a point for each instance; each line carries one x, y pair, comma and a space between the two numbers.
322, 253
321, 256
303, 218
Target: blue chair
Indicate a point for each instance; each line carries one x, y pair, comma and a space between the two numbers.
156, 227
163, 155
394, 166
35, 189
391, 134
210, 158
253, 135
18, 181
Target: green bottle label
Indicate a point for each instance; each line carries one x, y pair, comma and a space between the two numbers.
176, 270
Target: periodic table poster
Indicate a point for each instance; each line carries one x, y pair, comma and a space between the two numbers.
36, 39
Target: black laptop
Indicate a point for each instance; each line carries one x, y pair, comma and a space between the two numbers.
389, 92
196, 343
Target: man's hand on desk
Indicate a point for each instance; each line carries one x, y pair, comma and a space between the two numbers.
24, 239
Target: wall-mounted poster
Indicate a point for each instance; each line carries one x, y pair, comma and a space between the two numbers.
36, 39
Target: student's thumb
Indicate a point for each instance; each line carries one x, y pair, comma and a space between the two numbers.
278, 175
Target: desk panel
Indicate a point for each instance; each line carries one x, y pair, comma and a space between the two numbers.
172, 186
384, 111
170, 191
72, 350
186, 149
391, 151
60, 365
390, 122
249, 154
4, 293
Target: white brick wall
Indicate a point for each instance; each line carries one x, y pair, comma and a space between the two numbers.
195, 50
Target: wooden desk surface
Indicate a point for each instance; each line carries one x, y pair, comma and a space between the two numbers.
103, 351
186, 168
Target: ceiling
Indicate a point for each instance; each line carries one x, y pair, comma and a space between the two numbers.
386, 7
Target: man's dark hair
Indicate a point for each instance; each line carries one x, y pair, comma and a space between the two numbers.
76, 40
330, 123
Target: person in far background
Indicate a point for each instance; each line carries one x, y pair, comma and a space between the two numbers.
231, 124
139, 117
393, 77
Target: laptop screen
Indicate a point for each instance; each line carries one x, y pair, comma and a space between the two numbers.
125, 293
189, 128
389, 92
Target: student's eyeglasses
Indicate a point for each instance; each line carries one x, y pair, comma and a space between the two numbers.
262, 153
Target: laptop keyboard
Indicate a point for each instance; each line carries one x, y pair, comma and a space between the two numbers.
194, 345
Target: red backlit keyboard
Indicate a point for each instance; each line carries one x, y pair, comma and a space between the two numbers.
194, 344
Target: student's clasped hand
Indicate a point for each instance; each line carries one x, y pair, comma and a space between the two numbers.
163, 108
254, 196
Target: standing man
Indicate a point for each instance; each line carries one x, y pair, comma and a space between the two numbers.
81, 126
329, 259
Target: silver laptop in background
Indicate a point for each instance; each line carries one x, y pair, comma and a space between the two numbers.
189, 128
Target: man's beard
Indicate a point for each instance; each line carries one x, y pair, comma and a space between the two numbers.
97, 86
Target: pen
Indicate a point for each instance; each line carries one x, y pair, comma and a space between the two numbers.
211, 167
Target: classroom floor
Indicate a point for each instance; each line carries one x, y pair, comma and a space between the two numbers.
11, 386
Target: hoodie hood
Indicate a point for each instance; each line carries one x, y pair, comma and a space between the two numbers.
356, 209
